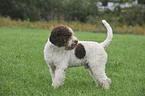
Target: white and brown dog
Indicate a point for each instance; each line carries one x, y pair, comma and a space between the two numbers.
63, 50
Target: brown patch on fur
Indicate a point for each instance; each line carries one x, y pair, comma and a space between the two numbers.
60, 35
80, 51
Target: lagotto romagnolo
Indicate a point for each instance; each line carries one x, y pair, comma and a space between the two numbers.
63, 50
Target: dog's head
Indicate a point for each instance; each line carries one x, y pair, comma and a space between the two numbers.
63, 36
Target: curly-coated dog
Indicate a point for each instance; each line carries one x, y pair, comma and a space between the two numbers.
63, 50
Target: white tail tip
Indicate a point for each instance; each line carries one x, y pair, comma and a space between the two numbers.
103, 21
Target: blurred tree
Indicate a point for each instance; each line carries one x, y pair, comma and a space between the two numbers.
80, 9
124, 1
141, 1
133, 15
105, 2
75, 10
20, 9
6, 8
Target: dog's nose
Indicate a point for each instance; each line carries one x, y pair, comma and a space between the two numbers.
76, 41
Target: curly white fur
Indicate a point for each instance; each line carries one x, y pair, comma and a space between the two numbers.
59, 59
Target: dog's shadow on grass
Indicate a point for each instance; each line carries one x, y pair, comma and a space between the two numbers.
81, 84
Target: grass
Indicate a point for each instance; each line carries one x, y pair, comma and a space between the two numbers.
23, 70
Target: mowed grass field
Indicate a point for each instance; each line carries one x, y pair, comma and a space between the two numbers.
23, 71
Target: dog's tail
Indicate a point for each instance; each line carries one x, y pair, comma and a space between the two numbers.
109, 34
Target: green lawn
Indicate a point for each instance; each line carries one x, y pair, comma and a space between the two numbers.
23, 70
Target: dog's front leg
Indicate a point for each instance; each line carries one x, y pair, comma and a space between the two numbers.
59, 76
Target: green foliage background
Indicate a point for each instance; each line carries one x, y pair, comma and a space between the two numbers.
72, 10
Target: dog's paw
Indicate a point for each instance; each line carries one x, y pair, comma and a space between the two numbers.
57, 84
106, 84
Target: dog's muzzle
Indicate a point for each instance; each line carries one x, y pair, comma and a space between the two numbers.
72, 44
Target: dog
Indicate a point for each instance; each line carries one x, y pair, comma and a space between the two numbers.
63, 50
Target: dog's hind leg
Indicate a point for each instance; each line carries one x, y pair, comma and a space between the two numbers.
91, 73
99, 75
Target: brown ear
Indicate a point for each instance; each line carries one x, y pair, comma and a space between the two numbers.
60, 36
